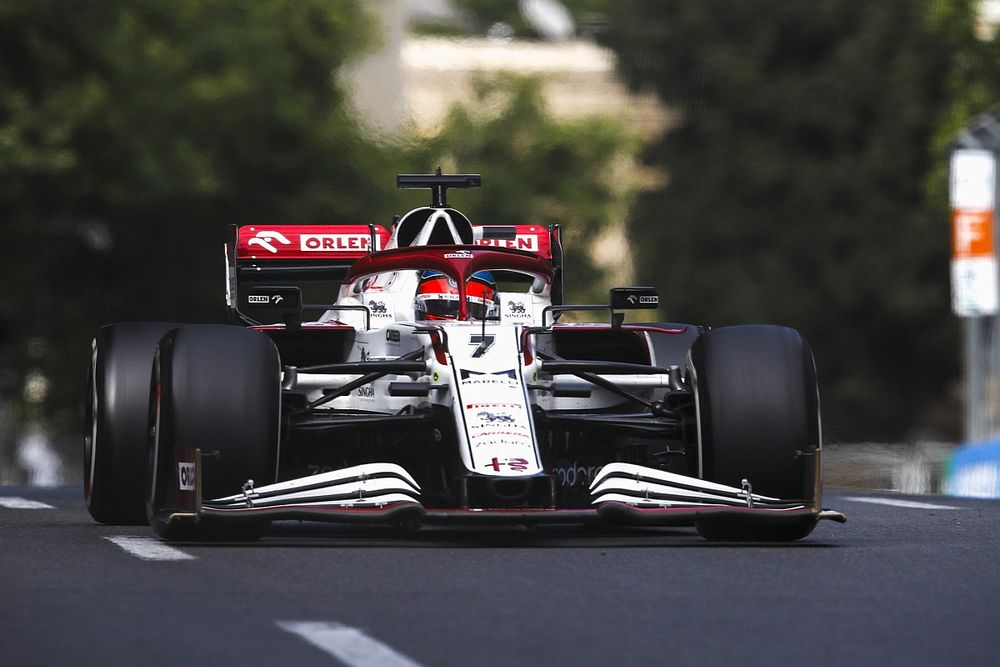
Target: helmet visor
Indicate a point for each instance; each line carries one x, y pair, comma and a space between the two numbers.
437, 306
480, 308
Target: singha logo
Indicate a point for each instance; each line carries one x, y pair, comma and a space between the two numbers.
377, 307
515, 308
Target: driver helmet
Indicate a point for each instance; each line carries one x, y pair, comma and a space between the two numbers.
437, 297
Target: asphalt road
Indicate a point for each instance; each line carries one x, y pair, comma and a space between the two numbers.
915, 585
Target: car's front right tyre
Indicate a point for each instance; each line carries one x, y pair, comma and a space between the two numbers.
215, 388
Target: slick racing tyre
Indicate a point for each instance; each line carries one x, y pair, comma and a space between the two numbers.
758, 419
114, 452
215, 388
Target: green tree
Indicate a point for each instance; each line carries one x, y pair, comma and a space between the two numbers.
801, 184
133, 133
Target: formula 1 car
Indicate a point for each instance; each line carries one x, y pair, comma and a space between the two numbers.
443, 385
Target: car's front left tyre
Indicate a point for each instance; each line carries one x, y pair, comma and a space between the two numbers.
757, 408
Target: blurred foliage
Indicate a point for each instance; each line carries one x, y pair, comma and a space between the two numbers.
805, 184
536, 170
132, 133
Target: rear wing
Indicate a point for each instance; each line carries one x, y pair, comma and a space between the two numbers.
289, 258
268, 267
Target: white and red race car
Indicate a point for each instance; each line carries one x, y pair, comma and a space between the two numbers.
442, 386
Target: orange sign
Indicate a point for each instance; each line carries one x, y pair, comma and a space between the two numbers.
972, 233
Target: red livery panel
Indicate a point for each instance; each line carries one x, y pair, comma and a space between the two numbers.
307, 241
352, 241
533, 238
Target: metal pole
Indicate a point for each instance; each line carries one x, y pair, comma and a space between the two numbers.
975, 182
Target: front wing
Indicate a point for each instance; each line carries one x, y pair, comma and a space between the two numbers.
622, 494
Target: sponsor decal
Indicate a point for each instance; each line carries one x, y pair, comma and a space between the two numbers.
572, 474
378, 308
473, 406
365, 356
366, 391
521, 242
496, 436
392, 335
516, 310
265, 239
461, 254
489, 379
521, 427
642, 300
267, 300
185, 476
444, 296
328, 242
505, 443
497, 377
482, 343
518, 464
648, 300
486, 415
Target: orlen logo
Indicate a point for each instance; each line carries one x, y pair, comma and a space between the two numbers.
321, 242
264, 239
527, 242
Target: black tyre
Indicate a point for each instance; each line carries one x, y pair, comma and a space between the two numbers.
115, 435
215, 388
758, 419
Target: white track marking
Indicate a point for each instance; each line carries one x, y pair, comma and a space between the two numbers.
148, 548
910, 504
349, 645
15, 503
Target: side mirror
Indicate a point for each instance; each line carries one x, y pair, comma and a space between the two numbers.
634, 298
273, 304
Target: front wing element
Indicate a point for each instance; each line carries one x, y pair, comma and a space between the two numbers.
650, 488
369, 489
633, 494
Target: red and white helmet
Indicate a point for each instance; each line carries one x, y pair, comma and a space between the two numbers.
437, 297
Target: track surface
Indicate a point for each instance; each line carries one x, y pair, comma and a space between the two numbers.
917, 585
